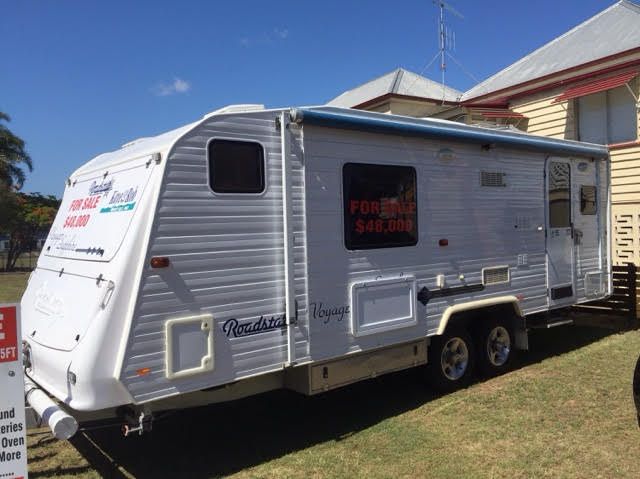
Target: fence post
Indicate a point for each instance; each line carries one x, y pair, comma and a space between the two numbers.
633, 300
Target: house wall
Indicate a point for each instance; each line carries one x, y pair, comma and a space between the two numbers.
558, 120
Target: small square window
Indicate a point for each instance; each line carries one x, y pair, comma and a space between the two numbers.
588, 200
236, 166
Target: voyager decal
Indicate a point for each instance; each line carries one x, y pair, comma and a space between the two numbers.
326, 312
233, 328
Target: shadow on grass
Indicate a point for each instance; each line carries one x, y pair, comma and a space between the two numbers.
224, 438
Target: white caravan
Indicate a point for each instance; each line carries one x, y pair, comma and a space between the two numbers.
307, 249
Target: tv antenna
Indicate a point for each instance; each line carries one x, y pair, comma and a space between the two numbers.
446, 38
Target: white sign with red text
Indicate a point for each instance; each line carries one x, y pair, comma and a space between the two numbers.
13, 428
96, 212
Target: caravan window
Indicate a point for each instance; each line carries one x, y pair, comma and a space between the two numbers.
588, 201
236, 166
380, 208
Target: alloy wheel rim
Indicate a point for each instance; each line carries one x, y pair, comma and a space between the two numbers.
498, 346
454, 359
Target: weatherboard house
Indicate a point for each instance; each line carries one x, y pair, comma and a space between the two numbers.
582, 85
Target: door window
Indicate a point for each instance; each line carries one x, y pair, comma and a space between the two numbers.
559, 195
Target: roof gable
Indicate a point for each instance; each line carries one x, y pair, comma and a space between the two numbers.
399, 82
612, 31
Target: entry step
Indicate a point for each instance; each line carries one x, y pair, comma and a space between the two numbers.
547, 322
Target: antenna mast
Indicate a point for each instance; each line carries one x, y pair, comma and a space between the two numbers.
446, 38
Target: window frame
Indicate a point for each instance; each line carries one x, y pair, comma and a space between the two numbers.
348, 245
238, 140
605, 115
595, 200
550, 202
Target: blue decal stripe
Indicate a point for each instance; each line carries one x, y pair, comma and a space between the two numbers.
118, 208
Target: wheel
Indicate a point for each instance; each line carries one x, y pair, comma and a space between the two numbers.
494, 341
451, 360
636, 389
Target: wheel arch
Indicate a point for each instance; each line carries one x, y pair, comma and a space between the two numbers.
476, 307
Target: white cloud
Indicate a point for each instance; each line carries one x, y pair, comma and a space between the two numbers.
266, 38
281, 33
178, 85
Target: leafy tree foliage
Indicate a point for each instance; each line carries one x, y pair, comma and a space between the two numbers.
13, 156
24, 217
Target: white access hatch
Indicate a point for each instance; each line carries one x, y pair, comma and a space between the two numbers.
60, 307
383, 305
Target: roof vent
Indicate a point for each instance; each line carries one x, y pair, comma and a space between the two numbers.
241, 108
492, 178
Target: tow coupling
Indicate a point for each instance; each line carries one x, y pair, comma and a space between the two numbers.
136, 422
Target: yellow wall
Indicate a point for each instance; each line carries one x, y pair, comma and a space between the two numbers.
546, 118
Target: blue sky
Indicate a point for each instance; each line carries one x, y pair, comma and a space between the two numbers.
79, 78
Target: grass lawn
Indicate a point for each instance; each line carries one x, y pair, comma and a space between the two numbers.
565, 411
11, 286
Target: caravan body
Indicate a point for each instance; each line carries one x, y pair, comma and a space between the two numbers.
262, 247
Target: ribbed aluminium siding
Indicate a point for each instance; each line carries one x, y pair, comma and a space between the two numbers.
226, 256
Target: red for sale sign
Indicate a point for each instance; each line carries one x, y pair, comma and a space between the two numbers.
8, 334
13, 428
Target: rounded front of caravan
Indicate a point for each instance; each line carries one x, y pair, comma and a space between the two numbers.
498, 346
454, 358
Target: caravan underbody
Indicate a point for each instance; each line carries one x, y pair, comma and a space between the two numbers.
309, 249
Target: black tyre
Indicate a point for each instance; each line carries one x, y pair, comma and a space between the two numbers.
495, 346
636, 389
451, 360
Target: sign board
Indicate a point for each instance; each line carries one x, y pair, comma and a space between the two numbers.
13, 428
96, 211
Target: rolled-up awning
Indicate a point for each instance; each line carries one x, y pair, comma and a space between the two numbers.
596, 86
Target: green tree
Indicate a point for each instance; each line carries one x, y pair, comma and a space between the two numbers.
23, 217
13, 156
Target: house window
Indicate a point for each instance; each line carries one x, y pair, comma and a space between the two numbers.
608, 117
380, 209
236, 166
588, 201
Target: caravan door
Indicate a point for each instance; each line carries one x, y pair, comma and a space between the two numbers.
560, 245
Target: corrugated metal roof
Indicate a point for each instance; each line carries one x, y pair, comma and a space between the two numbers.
612, 31
399, 82
596, 86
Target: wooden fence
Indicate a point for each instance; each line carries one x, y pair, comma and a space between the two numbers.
624, 301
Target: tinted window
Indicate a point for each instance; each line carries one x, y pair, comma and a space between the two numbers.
588, 204
236, 166
380, 208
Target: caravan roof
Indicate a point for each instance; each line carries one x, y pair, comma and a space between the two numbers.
356, 120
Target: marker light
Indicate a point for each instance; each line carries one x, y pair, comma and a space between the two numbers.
159, 262
143, 371
443, 242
